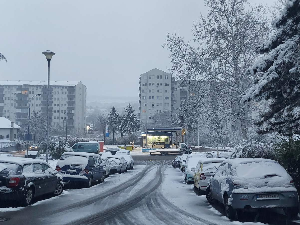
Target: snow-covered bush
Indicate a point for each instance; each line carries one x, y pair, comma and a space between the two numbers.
255, 149
288, 155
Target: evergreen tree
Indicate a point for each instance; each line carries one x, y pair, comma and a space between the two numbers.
278, 76
130, 123
113, 122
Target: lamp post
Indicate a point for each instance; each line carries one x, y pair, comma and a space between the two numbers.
48, 55
28, 127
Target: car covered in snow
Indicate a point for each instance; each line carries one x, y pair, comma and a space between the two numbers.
176, 162
117, 164
105, 162
23, 179
251, 184
190, 168
205, 169
129, 161
80, 168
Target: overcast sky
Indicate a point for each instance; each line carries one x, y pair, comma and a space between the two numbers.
106, 44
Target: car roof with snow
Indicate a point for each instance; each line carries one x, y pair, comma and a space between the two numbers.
239, 161
20, 161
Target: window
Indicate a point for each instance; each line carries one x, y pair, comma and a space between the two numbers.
149, 84
166, 76
166, 91
152, 104
37, 168
157, 76
166, 97
166, 84
149, 97
160, 76
143, 97
152, 97
149, 91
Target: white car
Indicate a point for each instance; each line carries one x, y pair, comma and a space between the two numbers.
129, 160
105, 162
205, 169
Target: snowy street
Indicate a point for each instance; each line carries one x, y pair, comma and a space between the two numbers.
152, 193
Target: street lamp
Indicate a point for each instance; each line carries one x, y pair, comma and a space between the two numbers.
48, 55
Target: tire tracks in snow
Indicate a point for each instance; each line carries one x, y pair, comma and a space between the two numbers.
116, 211
101, 196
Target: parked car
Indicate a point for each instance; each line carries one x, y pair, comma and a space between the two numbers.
105, 162
205, 169
23, 179
89, 147
117, 164
251, 184
176, 162
183, 160
81, 168
190, 169
129, 161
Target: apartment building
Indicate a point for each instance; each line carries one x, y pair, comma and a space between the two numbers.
155, 94
159, 92
67, 102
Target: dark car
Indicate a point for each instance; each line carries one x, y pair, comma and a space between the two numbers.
81, 168
23, 179
176, 162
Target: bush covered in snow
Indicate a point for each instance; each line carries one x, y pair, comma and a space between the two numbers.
288, 155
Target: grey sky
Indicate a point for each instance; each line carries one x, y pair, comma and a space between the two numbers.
105, 44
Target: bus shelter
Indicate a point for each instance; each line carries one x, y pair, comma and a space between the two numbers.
161, 138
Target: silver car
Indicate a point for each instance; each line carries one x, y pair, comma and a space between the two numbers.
251, 184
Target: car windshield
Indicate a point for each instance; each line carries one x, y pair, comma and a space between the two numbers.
10, 168
260, 170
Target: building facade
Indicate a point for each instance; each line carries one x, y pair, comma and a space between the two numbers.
159, 94
67, 102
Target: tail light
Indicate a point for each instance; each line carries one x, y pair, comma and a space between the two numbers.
13, 182
86, 171
58, 168
202, 176
292, 181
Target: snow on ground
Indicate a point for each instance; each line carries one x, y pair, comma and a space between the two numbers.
183, 196
11, 209
78, 195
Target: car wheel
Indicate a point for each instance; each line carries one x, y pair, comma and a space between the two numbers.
28, 197
102, 179
58, 189
120, 171
291, 213
196, 190
209, 196
229, 211
89, 183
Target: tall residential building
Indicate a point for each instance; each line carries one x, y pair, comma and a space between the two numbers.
67, 102
155, 94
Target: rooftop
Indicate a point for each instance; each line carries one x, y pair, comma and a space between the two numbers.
38, 82
6, 123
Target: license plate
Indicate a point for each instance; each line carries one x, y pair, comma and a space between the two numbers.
267, 197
